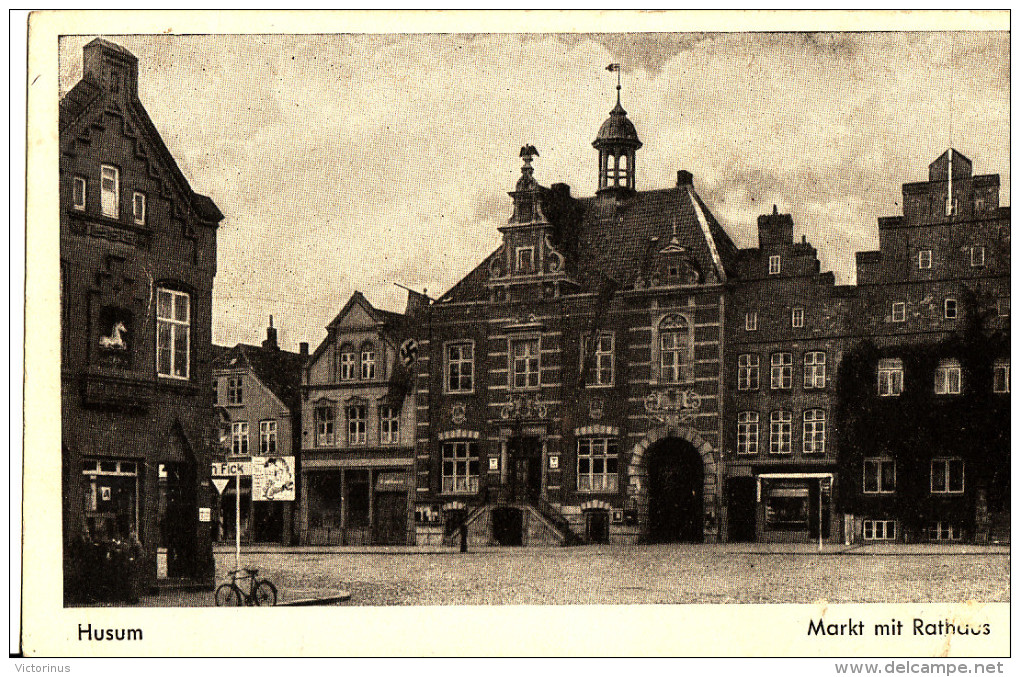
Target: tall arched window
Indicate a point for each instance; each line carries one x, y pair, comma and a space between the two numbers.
675, 347
367, 361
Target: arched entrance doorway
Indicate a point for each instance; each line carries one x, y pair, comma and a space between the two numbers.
676, 479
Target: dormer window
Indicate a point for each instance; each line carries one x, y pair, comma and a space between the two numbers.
347, 363
775, 264
110, 198
78, 197
367, 362
525, 260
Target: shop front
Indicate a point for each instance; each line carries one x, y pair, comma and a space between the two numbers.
794, 507
356, 506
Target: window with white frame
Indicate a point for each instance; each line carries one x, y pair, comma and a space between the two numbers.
782, 371
597, 459
1000, 376
947, 377
674, 349
977, 257
389, 425
138, 207
747, 372
524, 363
781, 432
324, 416
357, 424
890, 377
945, 531
460, 367
751, 321
267, 438
797, 317
604, 359
747, 432
949, 309
947, 476
235, 390
879, 476
239, 438
78, 193
460, 467
368, 362
814, 431
814, 370
880, 530
1002, 306
347, 363
109, 184
173, 333
899, 312
924, 259
775, 264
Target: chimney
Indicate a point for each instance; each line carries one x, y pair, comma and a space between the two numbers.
684, 178
775, 229
270, 341
303, 348
416, 303
111, 67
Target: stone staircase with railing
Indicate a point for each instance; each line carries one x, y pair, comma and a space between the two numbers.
542, 522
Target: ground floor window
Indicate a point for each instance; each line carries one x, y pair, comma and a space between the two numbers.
111, 498
879, 530
323, 491
460, 467
945, 531
597, 459
786, 508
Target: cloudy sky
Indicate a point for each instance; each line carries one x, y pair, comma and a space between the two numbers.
348, 162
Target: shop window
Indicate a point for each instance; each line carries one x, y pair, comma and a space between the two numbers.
814, 370
460, 367
524, 363
879, 475
1000, 381
235, 390
890, 377
945, 531
357, 424
173, 333
947, 476
597, 459
747, 432
747, 372
460, 467
781, 432
324, 426
110, 197
111, 498
880, 530
786, 507
267, 438
814, 431
947, 377
239, 438
782, 371
389, 425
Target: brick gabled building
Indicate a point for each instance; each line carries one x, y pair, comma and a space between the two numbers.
137, 262
572, 384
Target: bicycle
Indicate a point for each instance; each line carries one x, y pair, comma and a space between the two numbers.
261, 591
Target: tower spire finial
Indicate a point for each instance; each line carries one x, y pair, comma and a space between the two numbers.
616, 67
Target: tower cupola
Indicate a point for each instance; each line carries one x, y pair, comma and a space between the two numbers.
617, 143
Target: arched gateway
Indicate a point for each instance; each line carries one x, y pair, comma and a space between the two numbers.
673, 477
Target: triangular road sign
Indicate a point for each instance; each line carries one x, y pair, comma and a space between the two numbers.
220, 483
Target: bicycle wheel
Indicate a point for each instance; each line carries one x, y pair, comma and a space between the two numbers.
228, 594
265, 594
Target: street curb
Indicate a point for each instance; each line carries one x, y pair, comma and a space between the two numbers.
341, 596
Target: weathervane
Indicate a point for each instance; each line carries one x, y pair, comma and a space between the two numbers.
616, 67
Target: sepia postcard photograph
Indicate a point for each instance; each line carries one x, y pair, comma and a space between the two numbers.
670, 323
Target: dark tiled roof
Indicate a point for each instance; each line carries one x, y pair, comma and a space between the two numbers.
602, 236
77, 101
278, 370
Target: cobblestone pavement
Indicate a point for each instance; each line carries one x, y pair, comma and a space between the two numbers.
662, 574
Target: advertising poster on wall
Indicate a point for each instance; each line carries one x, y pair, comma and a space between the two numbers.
272, 478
